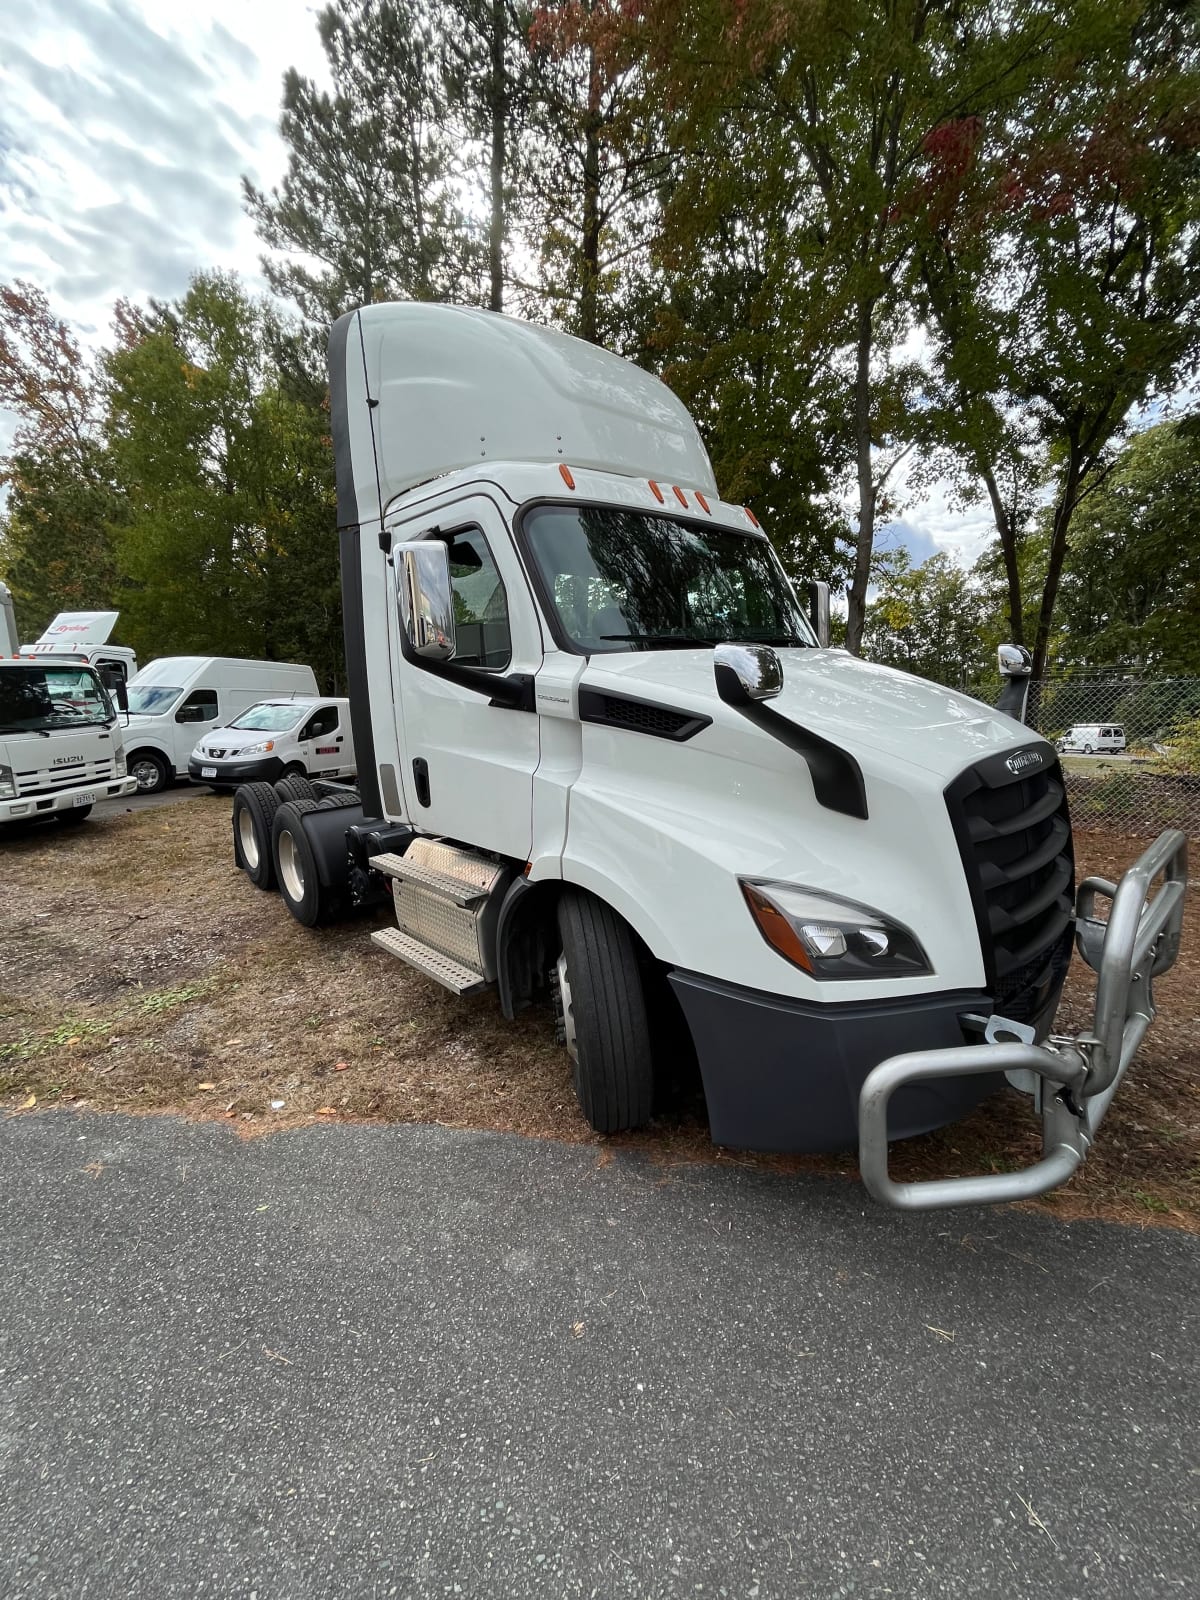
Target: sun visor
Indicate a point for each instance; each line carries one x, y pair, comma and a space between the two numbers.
75, 631
429, 389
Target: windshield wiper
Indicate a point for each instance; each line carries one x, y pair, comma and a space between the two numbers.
787, 641
664, 641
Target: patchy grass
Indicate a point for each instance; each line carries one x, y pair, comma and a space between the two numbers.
141, 971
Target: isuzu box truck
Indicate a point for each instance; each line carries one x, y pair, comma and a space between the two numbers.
607, 758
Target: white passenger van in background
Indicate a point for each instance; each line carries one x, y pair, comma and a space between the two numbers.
297, 736
176, 700
1093, 738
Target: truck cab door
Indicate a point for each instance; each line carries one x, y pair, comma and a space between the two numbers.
467, 759
322, 741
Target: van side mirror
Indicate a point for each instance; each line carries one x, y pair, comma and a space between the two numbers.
426, 598
818, 611
747, 672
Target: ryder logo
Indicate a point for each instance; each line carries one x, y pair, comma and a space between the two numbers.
1024, 761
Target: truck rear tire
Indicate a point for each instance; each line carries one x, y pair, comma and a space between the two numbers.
151, 771
254, 808
603, 1007
295, 786
311, 902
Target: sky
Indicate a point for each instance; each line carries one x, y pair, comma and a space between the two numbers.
125, 129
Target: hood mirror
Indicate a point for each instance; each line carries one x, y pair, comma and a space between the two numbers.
818, 611
1015, 666
426, 598
746, 673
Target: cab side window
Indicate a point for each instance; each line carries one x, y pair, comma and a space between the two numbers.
200, 706
481, 628
321, 724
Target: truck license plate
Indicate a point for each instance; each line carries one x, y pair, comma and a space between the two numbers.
208, 772
86, 798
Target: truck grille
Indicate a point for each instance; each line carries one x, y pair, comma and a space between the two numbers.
1010, 818
51, 780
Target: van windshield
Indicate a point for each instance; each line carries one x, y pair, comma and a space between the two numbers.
270, 719
633, 580
46, 699
151, 699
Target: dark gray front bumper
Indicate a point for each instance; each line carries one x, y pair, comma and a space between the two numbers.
783, 1074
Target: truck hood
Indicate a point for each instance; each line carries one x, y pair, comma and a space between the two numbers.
860, 706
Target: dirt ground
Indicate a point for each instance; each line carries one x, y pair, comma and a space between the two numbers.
140, 971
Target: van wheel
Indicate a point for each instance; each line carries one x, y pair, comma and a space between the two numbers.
300, 888
150, 770
254, 808
295, 786
1088, 750
602, 1009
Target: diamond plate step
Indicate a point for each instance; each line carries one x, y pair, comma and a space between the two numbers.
452, 889
444, 969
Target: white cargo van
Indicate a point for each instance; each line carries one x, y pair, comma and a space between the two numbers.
606, 760
1093, 738
297, 736
176, 699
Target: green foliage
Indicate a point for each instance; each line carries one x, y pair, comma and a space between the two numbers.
1183, 749
928, 620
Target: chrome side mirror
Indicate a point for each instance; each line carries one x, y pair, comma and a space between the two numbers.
746, 673
1015, 666
818, 611
425, 596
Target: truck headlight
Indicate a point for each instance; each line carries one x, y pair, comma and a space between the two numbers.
120, 765
258, 749
828, 937
8, 785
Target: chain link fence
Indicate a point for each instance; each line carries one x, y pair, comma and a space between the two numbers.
1130, 749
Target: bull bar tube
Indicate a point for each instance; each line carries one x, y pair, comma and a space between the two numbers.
1071, 1079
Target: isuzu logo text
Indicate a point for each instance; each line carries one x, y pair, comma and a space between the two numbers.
1023, 761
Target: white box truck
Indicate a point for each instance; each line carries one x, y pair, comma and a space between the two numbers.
60, 737
176, 700
606, 758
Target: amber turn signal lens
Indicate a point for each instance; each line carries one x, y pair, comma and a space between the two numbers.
776, 929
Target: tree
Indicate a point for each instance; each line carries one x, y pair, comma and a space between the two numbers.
369, 195
229, 544
1062, 266
928, 620
1131, 595
55, 545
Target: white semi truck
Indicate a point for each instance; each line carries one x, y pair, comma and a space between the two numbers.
60, 735
607, 759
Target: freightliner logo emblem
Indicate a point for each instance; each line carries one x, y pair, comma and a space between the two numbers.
1023, 760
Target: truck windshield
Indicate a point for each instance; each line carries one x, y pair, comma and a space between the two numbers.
151, 699
633, 580
270, 719
44, 699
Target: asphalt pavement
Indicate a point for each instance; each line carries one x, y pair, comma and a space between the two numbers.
354, 1361
148, 802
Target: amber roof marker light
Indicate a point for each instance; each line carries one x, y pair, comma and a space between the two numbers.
567, 477
656, 491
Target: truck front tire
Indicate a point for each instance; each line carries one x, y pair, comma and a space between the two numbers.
603, 1012
254, 808
151, 771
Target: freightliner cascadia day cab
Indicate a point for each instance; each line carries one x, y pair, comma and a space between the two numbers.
60, 738
176, 700
606, 758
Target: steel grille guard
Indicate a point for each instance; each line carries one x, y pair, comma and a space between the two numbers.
1072, 1080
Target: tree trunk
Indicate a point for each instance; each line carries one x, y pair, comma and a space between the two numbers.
589, 289
1063, 512
1008, 545
857, 600
499, 110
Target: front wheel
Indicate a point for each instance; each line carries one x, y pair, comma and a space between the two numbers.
1088, 750
602, 1005
150, 770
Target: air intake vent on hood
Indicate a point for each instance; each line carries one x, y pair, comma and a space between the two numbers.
639, 716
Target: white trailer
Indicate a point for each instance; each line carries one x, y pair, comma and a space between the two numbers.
607, 758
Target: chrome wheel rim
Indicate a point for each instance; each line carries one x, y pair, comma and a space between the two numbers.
248, 839
567, 1010
147, 775
290, 870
